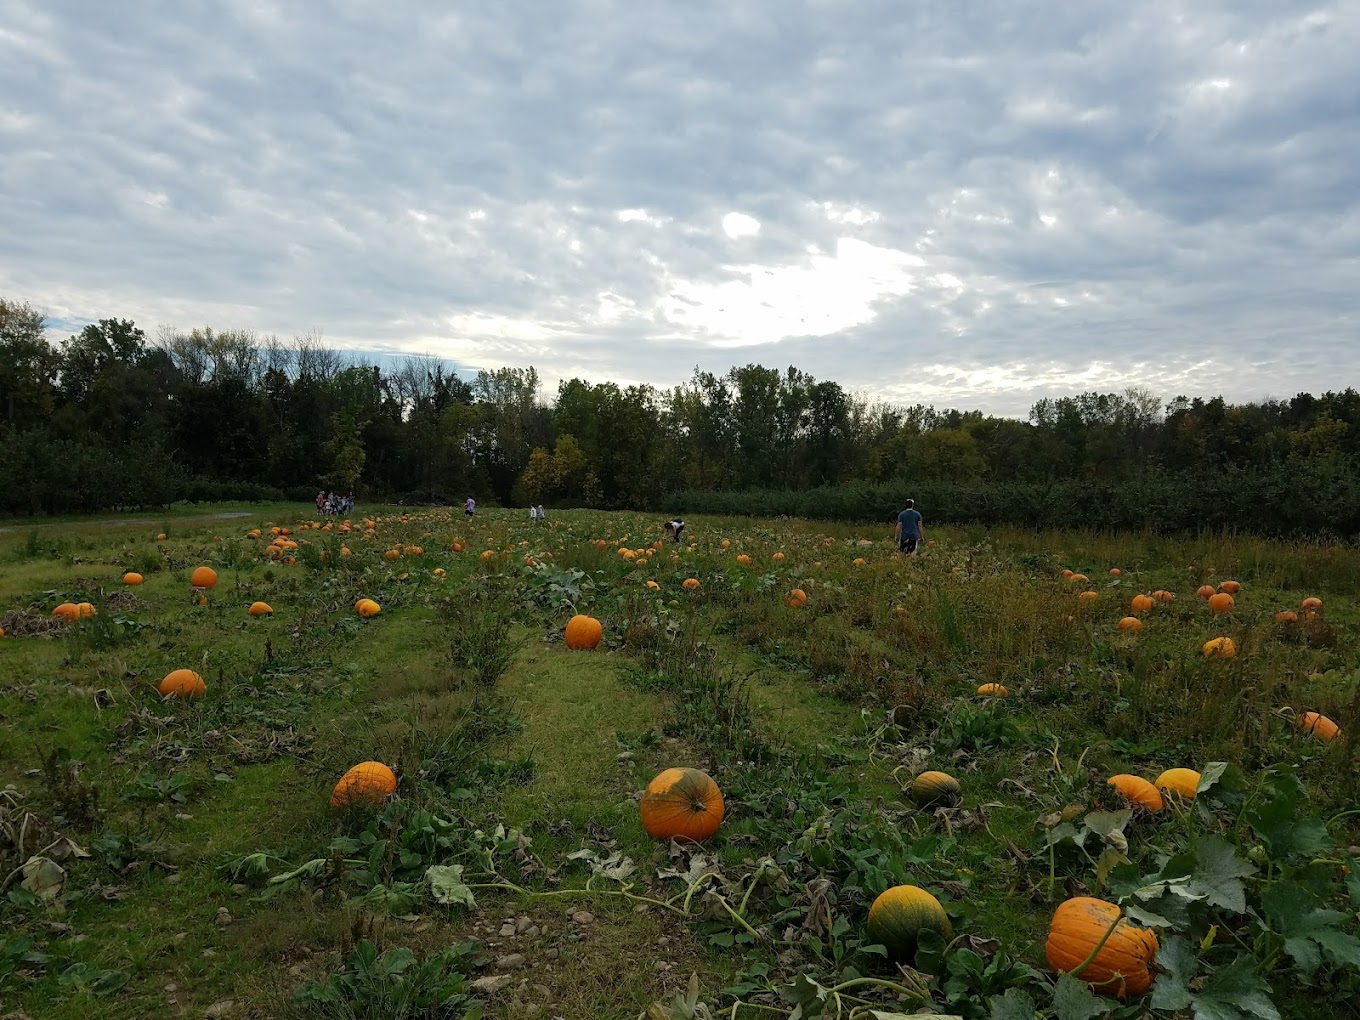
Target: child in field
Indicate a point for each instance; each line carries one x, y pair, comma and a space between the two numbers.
470, 506
673, 528
542, 514
533, 512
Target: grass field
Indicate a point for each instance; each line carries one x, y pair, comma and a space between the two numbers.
179, 857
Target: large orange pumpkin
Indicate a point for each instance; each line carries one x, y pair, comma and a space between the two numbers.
1087, 596
796, 598
1286, 616
204, 577
1312, 604
583, 632
132, 578
993, 691
1221, 602
1141, 603
1078, 577
1131, 624
182, 683
1320, 726
259, 609
1231, 587
682, 804
1205, 591
369, 782
744, 560
1137, 791
367, 608
1121, 966
690, 583
66, 611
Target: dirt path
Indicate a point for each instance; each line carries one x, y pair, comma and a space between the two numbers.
114, 521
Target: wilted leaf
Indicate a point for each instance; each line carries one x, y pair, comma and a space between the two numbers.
447, 886
43, 877
1014, 1005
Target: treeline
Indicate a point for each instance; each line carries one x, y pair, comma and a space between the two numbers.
110, 419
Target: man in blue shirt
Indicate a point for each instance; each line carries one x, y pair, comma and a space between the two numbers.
909, 529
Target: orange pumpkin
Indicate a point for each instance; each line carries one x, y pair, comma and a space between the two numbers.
796, 598
653, 586
66, 611
204, 577
84, 610
583, 632
1181, 781
744, 560
1286, 616
182, 683
1220, 648
367, 608
993, 691
160, 537
1067, 574
1311, 605
1115, 571
682, 804
1163, 596
369, 782
133, 578
1204, 591
1231, 587
1221, 602
1121, 967
1087, 596
1318, 725
1131, 624
1137, 791
1141, 603
259, 609
779, 557
1078, 577
690, 584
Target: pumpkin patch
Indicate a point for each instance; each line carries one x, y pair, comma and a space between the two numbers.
682, 804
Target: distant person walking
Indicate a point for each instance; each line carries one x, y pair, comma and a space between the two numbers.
533, 512
542, 514
470, 506
909, 529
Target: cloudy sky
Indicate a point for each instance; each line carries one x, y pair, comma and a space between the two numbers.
969, 204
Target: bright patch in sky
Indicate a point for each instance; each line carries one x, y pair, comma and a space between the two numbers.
824, 295
736, 225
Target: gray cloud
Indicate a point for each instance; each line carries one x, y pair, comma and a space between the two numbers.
974, 205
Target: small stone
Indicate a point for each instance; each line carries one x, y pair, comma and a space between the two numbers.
583, 917
220, 1008
543, 991
660, 965
183, 817
512, 961
642, 908
523, 925
507, 929
208, 953
172, 987
179, 936
223, 918
551, 954
492, 983
296, 970
240, 889
533, 931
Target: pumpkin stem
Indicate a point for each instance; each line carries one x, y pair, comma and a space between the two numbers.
1095, 951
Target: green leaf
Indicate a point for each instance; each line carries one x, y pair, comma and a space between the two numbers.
1074, 1000
1233, 992
447, 886
1102, 823
1353, 880
1014, 1005
1309, 930
1275, 820
1178, 964
1218, 875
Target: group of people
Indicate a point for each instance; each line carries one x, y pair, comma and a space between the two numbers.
537, 513
330, 503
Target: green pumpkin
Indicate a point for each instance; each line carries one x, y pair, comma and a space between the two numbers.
898, 917
936, 789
